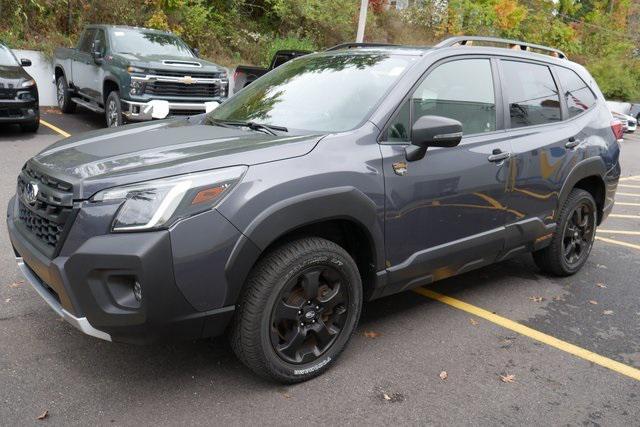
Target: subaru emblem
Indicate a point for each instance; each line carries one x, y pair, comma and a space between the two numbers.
30, 193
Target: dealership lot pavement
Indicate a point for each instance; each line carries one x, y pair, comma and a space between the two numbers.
391, 372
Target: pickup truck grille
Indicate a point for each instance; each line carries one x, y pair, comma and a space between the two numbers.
196, 90
47, 219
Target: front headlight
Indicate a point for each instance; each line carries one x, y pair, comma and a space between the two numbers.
137, 70
28, 83
159, 203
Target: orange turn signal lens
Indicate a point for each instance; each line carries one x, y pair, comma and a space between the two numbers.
208, 194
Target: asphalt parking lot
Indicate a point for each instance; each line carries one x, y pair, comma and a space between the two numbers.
517, 347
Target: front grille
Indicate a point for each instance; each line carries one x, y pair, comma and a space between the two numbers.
196, 90
7, 94
11, 113
47, 218
195, 75
46, 230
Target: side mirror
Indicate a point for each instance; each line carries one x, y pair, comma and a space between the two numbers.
196, 52
433, 131
25, 62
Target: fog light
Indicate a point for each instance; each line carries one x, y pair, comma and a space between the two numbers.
137, 291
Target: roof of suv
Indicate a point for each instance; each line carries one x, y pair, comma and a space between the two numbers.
127, 27
518, 46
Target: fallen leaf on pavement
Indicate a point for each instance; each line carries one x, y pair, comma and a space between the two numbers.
593, 302
507, 378
536, 299
7, 300
16, 284
286, 395
444, 375
371, 334
474, 322
607, 312
43, 415
385, 396
601, 285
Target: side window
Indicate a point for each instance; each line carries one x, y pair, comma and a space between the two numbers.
532, 94
461, 90
86, 41
100, 43
576, 92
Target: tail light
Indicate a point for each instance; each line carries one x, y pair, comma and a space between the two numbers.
616, 127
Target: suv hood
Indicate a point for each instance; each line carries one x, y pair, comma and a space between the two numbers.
134, 153
170, 63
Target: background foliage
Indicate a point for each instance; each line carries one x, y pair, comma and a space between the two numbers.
601, 34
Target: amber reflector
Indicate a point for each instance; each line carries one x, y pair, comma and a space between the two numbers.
207, 195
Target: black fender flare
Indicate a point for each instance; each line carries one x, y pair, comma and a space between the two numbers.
110, 79
283, 217
593, 166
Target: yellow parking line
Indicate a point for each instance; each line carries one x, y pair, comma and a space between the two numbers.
618, 242
630, 233
582, 353
628, 186
627, 204
628, 194
55, 128
624, 216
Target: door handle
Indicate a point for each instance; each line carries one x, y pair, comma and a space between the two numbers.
498, 155
572, 143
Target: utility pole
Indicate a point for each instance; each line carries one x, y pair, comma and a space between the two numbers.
364, 4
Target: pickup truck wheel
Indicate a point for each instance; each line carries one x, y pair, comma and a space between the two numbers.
573, 239
113, 110
298, 310
63, 96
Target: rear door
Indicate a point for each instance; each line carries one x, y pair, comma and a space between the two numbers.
544, 146
446, 212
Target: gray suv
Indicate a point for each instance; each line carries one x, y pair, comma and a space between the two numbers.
337, 178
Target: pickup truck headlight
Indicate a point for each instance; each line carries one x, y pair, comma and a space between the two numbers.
136, 70
159, 203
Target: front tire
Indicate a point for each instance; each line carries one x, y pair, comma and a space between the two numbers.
113, 110
299, 308
573, 239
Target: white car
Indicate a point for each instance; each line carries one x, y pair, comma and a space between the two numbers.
629, 123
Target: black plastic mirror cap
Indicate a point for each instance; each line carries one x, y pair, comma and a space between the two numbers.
436, 131
25, 62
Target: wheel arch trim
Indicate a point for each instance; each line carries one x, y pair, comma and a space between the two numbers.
591, 167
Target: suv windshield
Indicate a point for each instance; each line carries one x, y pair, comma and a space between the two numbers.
124, 40
325, 93
7, 58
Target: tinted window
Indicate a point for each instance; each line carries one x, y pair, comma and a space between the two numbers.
101, 42
86, 41
576, 92
461, 90
532, 94
326, 93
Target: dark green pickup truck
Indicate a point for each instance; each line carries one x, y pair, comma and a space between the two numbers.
135, 74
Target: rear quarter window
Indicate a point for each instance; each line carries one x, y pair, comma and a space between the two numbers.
578, 95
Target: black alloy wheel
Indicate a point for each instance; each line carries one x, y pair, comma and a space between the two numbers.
309, 314
578, 234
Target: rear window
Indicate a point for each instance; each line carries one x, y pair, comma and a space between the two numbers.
532, 93
577, 93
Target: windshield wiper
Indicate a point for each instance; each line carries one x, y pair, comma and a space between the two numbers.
270, 129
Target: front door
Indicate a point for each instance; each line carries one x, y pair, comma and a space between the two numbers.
82, 62
446, 212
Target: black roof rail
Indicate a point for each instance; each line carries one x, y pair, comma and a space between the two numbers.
464, 41
354, 45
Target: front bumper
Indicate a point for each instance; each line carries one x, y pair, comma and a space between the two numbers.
90, 283
143, 111
18, 111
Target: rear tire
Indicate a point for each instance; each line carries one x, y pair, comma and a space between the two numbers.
573, 239
113, 110
299, 308
63, 96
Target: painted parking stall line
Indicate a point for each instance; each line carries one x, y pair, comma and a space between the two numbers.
580, 352
55, 128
